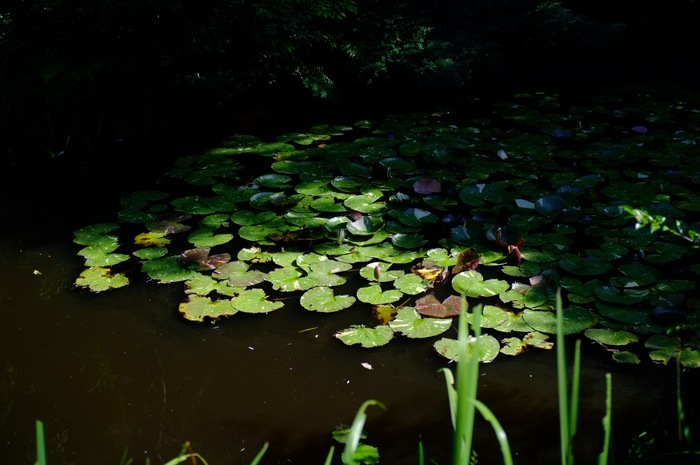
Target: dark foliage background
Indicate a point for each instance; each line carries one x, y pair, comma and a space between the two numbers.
76, 72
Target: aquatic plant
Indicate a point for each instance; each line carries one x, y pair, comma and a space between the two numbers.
400, 216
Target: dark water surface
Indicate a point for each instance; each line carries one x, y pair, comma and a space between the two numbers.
122, 369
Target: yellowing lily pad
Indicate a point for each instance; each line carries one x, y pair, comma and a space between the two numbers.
99, 279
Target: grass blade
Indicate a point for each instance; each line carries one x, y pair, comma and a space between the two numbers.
355, 433
498, 429
575, 386
566, 458
329, 457
607, 421
260, 454
40, 445
467, 379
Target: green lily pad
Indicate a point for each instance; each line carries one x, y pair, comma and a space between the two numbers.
95, 234
203, 285
472, 284
193, 205
98, 256
167, 270
149, 253
576, 320
625, 297
610, 337
367, 202
414, 217
348, 184
366, 337
198, 308
584, 266
409, 323
408, 241
205, 237
365, 225
550, 205
630, 315
288, 279
237, 274
324, 272
322, 299
374, 295
254, 301
662, 348
380, 272
488, 348
624, 356
411, 284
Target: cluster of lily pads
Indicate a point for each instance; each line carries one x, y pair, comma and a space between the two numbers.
404, 216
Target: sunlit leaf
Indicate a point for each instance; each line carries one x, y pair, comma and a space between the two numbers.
429, 305
366, 337
99, 279
322, 299
409, 323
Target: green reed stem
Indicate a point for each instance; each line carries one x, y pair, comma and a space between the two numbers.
607, 421
565, 424
260, 454
40, 444
467, 383
355, 433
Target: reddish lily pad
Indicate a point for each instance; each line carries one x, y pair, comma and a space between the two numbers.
429, 305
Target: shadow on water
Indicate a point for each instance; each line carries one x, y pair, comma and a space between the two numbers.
118, 370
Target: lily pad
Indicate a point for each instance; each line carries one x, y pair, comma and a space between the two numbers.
409, 323
322, 299
576, 320
374, 295
472, 284
365, 336
254, 301
99, 279
488, 348
199, 308
611, 337
429, 305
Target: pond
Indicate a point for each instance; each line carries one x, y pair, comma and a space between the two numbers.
122, 370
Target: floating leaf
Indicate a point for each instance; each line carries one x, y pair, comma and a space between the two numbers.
151, 239
429, 305
472, 284
366, 337
237, 274
322, 299
374, 295
254, 301
488, 348
365, 225
427, 186
610, 336
167, 270
576, 320
409, 323
384, 313
99, 279
411, 284
198, 308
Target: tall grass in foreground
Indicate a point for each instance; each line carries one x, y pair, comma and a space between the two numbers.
463, 393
